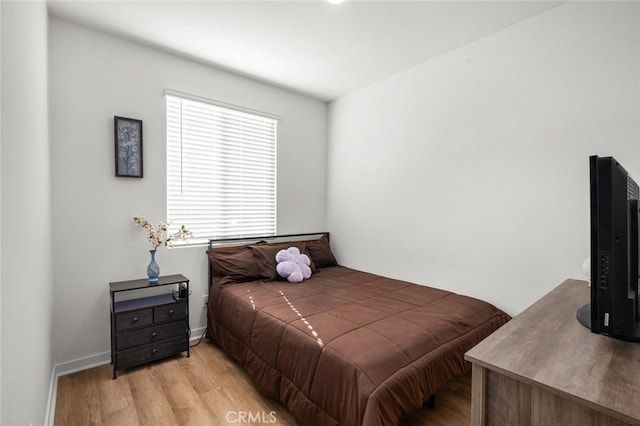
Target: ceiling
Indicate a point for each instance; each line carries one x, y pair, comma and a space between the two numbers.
309, 46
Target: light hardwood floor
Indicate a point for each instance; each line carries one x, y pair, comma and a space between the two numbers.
202, 390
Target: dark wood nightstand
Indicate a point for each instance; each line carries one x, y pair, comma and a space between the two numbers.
146, 329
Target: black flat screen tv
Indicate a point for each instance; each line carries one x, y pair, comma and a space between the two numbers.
614, 309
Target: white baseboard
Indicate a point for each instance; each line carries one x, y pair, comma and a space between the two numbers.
69, 367
197, 333
86, 363
50, 414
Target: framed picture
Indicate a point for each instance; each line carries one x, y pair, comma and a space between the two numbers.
128, 145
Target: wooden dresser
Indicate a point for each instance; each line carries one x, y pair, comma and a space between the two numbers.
545, 368
145, 329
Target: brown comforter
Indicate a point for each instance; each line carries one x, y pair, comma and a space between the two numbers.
348, 347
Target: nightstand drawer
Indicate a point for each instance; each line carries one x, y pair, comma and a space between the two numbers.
133, 319
169, 312
146, 353
146, 335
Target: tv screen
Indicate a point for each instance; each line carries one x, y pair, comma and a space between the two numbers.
614, 309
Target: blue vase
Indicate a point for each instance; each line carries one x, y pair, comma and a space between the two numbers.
153, 270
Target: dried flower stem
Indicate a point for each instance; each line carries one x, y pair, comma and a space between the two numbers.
156, 235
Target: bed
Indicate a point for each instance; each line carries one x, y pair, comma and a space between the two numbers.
345, 346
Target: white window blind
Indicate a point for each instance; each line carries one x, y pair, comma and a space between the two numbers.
221, 170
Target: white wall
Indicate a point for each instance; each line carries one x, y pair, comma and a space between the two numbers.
94, 77
0, 213
26, 215
470, 172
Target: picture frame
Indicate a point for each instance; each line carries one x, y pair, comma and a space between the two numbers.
128, 147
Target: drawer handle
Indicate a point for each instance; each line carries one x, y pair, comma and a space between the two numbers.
154, 351
134, 319
170, 311
154, 334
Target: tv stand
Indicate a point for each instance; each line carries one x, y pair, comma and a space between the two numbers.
544, 368
584, 316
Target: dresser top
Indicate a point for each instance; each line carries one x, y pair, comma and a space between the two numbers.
546, 345
144, 283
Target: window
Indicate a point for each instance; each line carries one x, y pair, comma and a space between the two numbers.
221, 169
